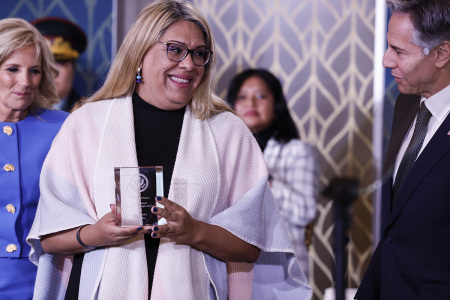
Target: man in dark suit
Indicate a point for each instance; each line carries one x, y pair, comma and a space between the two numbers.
67, 41
412, 259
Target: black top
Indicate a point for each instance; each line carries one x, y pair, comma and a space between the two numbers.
157, 135
264, 136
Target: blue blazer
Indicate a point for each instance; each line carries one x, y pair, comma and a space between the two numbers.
412, 259
23, 145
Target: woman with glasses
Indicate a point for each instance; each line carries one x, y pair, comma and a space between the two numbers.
156, 108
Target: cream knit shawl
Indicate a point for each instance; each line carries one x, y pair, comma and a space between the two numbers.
219, 177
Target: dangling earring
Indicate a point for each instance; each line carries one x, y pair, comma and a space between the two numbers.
138, 76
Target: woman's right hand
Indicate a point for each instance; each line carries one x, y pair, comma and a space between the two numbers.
104, 232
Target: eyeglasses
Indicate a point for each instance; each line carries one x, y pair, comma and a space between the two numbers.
177, 52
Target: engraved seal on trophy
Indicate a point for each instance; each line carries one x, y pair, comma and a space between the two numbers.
143, 180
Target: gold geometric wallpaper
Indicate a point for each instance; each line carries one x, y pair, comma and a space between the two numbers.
322, 51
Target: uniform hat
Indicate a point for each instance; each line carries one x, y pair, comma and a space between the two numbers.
66, 40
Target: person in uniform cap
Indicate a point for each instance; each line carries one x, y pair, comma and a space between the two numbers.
67, 41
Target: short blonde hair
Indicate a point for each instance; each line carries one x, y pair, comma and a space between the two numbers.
150, 25
17, 33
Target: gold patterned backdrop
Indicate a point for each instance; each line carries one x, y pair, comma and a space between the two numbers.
322, 51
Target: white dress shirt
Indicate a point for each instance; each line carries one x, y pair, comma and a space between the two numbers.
439, 106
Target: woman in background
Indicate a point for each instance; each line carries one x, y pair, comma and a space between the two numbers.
28, 127
257, 97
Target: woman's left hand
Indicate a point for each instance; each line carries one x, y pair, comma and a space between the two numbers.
180, 227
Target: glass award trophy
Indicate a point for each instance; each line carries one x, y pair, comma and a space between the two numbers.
136, 189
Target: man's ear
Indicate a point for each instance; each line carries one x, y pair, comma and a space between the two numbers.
443, 54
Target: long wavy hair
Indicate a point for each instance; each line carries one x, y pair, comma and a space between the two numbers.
150, 25
283, 124
14, 35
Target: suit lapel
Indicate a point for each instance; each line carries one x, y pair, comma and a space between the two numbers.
405, 111
438, 146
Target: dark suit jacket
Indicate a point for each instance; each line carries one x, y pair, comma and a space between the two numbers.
71, 100
412, 259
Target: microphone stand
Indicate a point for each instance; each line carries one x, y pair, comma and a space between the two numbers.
344, 191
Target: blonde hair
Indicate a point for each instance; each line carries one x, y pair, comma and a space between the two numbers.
17, 33
150, 25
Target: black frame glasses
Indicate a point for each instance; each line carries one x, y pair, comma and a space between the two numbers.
200, 57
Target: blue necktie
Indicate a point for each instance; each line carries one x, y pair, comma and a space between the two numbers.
420, 130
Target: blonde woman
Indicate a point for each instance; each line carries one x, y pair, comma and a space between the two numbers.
157, 108
28, 127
